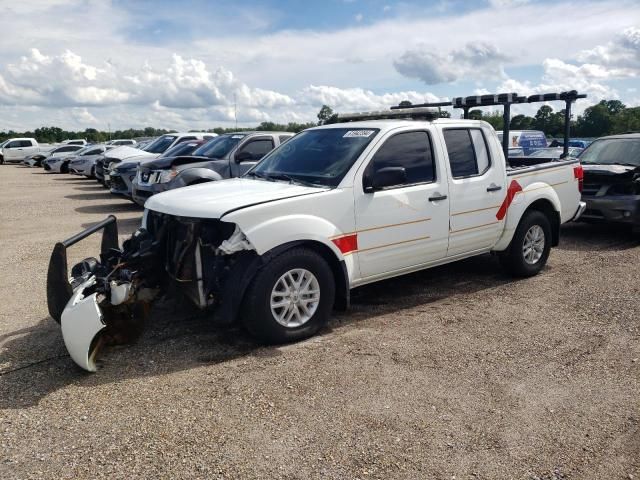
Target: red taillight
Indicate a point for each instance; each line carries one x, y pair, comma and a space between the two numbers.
578, 173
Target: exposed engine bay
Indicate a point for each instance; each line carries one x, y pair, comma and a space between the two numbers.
106, 301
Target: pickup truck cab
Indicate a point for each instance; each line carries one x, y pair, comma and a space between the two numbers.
16, 149
227, 156
333, 208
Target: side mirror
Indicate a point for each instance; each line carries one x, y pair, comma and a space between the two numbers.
243, 156
384, 177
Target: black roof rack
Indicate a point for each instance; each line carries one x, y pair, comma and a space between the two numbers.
413, 113
506, 100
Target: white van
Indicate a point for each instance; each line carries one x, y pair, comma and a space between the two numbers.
529, 140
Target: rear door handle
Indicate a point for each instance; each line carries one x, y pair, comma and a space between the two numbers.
437, 198
494, 188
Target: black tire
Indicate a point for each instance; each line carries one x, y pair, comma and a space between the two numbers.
256, 313
1, 160
64, 168
513, 259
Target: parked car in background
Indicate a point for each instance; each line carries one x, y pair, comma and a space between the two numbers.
529, 140
122, 175
16, 149
229, 155
612, 179
152, 150
76, 141
84, 161
36, 159
60, 163
123, 141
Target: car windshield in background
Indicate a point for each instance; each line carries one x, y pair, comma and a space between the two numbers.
184, 148
613, 151
82, 150
159, 145
321, 157
219, 147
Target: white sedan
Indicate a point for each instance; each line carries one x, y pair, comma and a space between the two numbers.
84, 161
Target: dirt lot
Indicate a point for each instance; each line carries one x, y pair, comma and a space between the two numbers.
454, 372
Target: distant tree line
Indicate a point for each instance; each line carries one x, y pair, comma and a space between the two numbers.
605, 118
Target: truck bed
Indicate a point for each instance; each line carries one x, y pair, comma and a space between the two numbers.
517, 165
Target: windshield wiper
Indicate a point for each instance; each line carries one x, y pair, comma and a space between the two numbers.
258, 175
284, 176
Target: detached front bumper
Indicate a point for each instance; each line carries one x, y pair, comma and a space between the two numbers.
623, 209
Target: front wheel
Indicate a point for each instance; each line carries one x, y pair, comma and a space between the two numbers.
529, 249
290, 298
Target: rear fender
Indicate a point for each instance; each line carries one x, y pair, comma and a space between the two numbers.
523, 200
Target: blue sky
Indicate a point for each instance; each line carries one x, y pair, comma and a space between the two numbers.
180, 64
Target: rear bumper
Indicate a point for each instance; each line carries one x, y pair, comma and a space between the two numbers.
618, 209
582, 206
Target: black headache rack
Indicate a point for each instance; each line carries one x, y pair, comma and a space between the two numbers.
59, 290
505, 100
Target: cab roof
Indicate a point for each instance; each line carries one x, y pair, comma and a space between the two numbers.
389, 124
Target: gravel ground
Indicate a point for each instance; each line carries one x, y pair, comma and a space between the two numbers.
456, 372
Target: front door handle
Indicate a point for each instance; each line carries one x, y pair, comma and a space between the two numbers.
493, 188
437, 198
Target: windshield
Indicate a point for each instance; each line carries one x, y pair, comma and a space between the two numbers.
219, 146
159, 145
613, 151
322, 156
184, 148
82, 150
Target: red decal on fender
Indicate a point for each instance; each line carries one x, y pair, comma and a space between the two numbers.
346, 244
513, 189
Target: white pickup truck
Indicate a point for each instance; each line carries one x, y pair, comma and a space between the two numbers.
335, 207
16, 149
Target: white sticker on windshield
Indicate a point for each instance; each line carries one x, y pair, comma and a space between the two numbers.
358, 133
237, 136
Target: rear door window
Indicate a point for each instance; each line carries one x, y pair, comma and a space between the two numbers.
468, 152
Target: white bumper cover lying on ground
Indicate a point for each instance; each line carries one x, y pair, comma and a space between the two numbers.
81, 322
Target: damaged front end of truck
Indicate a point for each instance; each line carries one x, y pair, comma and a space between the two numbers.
105, 300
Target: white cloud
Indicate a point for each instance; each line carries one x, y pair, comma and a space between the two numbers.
359, 17
66, 80
347, 99
621, 56
99, 59
507, 3
475, 60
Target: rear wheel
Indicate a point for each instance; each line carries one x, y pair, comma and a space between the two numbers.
529, 249
290, 298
